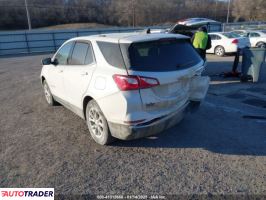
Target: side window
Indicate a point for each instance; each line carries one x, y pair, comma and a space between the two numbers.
215, 37
254, 35
112, 53
79, 53
90, 56
63, 54
212, 37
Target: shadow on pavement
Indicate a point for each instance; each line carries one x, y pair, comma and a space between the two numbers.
191, 134
209, 130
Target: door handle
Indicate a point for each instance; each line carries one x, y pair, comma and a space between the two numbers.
84, 74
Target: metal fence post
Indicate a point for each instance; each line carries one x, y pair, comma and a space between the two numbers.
27, 42
223, 27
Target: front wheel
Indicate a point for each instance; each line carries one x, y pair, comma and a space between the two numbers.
261, 45
219, 51
97, 124
48, 95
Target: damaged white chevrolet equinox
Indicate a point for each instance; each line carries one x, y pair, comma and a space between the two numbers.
126, 86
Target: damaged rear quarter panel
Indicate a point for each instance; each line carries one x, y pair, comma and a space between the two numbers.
198, 88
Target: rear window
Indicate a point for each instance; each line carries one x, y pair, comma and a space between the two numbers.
231, 35
162, 55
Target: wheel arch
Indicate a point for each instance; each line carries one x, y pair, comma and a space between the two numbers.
218, 46
86, 100
260, 42
42, 79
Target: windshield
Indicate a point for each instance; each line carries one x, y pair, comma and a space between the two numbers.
162, 55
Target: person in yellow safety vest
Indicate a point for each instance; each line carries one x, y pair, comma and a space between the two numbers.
201, 41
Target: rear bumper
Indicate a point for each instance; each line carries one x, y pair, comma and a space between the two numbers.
231, 49
128, 132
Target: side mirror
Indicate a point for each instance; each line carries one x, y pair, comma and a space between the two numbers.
55, 62
47, 61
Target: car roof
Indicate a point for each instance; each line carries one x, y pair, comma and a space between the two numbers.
259, 31
129, 37
219, 33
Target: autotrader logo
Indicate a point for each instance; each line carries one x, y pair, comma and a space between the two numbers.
27, 193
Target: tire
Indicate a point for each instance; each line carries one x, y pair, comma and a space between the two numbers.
97, 124
261, 45
219, 51
48, 95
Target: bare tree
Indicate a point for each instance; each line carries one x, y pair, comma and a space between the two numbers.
124, 12
246, 10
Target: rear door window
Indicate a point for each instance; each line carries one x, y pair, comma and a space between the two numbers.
79, 53
162, 55
254, 35
215, 37
90, 56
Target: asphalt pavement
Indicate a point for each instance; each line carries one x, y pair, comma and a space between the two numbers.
219, 150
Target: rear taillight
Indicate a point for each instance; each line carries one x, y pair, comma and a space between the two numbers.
235, 41
125, 82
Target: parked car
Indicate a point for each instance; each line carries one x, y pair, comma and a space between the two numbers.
256, 38
189, 26
126, 86
227, 42
191, 21
195, 23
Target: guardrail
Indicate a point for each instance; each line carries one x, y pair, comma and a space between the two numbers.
38, 41
244, 26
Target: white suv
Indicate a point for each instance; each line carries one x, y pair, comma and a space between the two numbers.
125, 86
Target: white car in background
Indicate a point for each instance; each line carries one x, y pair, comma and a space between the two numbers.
126, 86
227, 42
193, 21
256, 38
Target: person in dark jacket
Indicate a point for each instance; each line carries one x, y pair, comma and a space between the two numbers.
201, 41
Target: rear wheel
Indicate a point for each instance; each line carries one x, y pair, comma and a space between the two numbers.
48, 95
219, 51
97, 124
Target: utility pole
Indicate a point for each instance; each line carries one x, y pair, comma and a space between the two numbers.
133, 12
28, 14
228, 11
215, 14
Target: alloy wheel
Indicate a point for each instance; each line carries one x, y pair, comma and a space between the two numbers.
96, 122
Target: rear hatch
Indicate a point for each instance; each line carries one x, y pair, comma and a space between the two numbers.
243, 42
172, 62
235, 38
